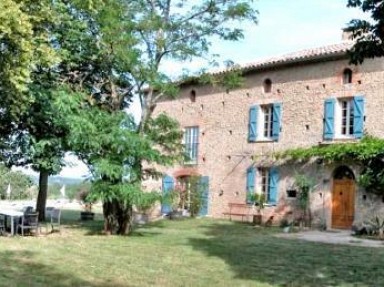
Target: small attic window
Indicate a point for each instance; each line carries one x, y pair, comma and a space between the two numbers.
267, 86
192, 96
347, 76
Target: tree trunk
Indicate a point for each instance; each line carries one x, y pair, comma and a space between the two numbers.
42, 196
124, 218
117, 218
109, 212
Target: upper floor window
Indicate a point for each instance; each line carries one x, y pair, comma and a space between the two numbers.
267, 118
347, 76
191, 142
264, 122
344, 118
267, 86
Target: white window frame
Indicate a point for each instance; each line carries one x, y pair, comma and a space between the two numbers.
261, 120
339, 118
262, 182
191, 143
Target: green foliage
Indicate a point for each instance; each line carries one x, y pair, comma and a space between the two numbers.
82, 62
195, 195
24, 43
374, 225
189, 198
368, 153
305, 185
257, 199
20, 184
72, 191
369, 34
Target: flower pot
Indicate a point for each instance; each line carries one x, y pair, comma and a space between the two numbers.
286, 229
87, 215
141, 218
257, 219
176, 215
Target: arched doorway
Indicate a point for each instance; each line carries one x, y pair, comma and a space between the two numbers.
343, 197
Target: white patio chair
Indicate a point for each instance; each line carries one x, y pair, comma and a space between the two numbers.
55, 215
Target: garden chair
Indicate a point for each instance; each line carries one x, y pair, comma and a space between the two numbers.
29, 221
27, 209
2, 224
55, 216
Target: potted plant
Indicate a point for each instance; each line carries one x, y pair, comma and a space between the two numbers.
177, 204
87, 213
286, 225
144, 206
258, 200
305, 186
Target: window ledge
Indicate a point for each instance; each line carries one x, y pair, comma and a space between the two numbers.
190, 163
339, 140
264, 140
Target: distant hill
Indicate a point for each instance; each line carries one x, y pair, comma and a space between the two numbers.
61, 180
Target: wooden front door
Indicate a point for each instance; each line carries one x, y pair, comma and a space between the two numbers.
343, 203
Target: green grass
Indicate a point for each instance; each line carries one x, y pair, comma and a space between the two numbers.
182, 253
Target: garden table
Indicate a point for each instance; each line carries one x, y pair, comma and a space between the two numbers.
12, 214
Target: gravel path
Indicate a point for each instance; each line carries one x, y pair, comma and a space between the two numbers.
332, 237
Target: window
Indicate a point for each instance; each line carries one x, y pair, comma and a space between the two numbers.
344, 118
267, 86
346, 107
191, 140
264, 122
264, 181
347, 76
267, 121
189, 189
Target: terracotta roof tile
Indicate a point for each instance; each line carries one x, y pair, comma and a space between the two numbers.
296, 57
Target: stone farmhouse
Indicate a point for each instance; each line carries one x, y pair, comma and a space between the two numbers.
307, 98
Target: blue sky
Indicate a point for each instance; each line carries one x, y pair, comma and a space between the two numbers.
284, 26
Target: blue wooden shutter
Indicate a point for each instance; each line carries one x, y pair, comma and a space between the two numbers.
251, 177
252, 126
329, 119
168, 185
204, 189
276, 120
273, 185
358, 116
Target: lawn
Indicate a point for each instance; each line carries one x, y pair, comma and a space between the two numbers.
199, 252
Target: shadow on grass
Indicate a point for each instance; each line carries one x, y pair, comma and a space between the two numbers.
20, 268
255, 254
71, 219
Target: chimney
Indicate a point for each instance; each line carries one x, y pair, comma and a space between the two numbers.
347, 35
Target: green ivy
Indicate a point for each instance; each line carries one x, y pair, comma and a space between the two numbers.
367, 153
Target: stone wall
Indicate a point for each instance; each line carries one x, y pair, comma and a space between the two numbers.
222, 116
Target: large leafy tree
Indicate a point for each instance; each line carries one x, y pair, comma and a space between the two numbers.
111, 51
26, 47
24, 43
369, 34
85, 63
134, 38
178, 30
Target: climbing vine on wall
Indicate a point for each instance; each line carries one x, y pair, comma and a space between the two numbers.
367, 153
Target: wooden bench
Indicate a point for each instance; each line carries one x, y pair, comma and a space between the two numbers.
239, 210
